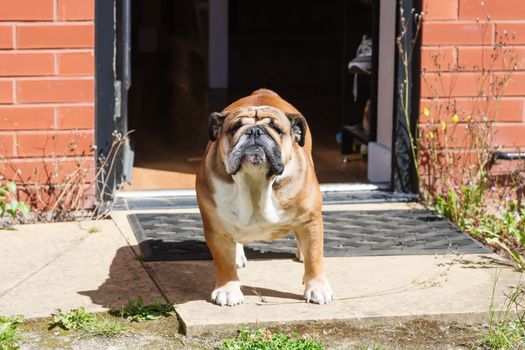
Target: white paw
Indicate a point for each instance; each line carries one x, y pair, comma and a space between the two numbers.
318, 291
240, 258
230, 294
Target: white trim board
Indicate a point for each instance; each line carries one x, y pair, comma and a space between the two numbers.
191, 192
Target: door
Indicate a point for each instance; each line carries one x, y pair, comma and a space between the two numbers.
114, 158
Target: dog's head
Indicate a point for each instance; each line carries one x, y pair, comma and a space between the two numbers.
257, 137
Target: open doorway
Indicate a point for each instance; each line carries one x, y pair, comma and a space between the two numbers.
300, 49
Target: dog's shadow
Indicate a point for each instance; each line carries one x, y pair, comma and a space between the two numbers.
178, 281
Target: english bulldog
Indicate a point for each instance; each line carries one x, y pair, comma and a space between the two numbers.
257, 182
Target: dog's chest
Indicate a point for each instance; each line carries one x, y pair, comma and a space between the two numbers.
249, 211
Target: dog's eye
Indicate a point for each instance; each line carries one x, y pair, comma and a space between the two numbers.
233, 129
277, 129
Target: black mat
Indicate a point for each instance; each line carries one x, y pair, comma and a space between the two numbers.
165, 237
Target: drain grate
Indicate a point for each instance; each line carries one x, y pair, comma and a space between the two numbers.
347, 233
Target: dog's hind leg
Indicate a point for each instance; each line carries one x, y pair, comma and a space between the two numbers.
240, 258
298, 253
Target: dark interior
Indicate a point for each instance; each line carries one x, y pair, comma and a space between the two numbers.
300, 49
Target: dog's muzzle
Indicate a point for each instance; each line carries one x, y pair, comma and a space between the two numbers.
255, 147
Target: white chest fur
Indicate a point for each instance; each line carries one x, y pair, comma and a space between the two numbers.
248, 208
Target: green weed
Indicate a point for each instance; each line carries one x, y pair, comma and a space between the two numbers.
504, 229
9, 205
9, 335
73, 320
136, 310
506, 329
104, 327
265, 340
88, 323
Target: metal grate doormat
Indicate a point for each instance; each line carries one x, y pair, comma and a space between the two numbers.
169, 237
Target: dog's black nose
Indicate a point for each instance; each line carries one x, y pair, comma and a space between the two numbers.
255, 131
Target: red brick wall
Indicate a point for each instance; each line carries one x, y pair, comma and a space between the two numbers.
46, 88
453, 30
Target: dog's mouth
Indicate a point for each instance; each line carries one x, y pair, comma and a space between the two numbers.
261, 152
254, 155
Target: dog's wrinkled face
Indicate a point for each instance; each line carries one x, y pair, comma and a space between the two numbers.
256, 137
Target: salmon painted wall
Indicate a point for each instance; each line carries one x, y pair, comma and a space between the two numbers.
46, 88
458, 37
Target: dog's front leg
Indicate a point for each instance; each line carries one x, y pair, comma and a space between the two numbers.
227, 285
310, 237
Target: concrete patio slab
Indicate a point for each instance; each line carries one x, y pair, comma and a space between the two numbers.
367, 290
46, 267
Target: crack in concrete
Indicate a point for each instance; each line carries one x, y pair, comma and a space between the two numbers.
36, 271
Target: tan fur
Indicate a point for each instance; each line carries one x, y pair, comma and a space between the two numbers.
298, 194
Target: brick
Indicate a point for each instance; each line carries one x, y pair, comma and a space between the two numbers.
459, 136
510, 135
504, 110
72, 10
438, 59
516, 85
452, 33
26, 64
496, 9
470, 58
6, 145
441, 9
45, 171
506, 167
43, 198
6, 91
26, 118
6, 36
41, 145
76, 63
452, 84
55, 90
55, 36
26, 10
515, 29
76, 117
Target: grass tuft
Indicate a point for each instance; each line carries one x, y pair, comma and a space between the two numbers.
263, 339
9, 335
506, 329
136, 310
88, 323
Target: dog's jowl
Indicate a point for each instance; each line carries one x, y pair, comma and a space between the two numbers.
257, 182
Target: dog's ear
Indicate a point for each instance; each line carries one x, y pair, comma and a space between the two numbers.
215, 124
299, 127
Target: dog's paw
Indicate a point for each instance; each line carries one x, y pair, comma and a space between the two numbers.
318, 291
230, 294
240, 258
